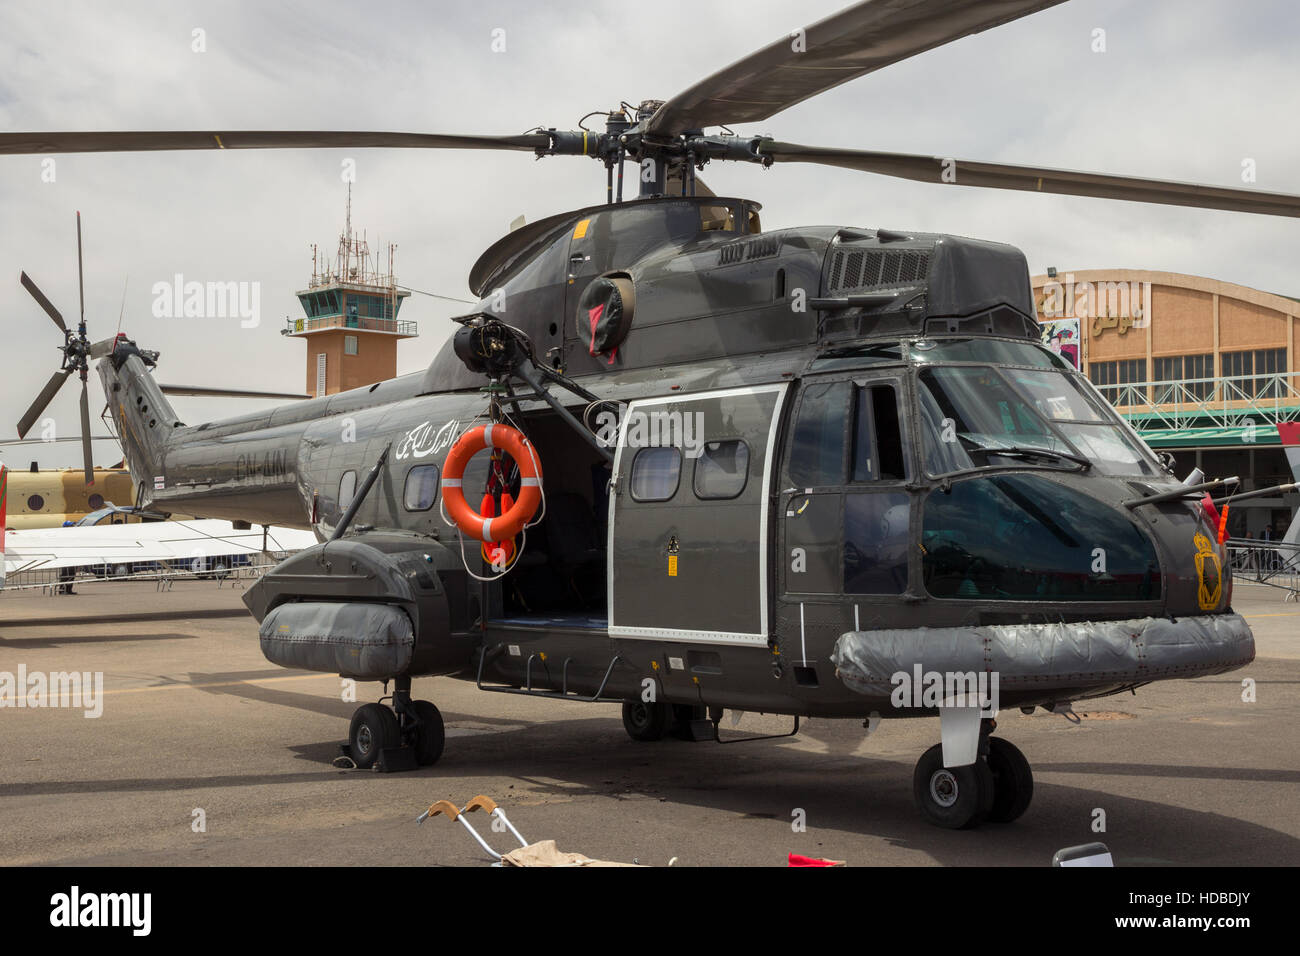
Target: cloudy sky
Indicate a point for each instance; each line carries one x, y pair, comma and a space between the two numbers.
1185, 90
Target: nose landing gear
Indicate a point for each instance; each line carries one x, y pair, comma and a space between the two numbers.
410, 733
997, 787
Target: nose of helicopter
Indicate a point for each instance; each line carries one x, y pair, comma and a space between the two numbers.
1195, 568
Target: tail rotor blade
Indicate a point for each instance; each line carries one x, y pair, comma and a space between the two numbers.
44, 398
43, 302
85, 434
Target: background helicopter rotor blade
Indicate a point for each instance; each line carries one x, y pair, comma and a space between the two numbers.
43, 302
859, 40
85, 434
110, 142
44, 398
931, 169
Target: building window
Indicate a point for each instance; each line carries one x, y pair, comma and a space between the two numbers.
320, 374
1180, 373
349, 345
1111, 377
1239, 367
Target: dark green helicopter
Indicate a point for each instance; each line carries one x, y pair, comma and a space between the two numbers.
825, 471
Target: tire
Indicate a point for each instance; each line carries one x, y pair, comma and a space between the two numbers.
374, 728
954, 798
646, 721
429, 736
1013, 781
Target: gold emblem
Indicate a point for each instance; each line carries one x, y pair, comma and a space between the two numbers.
1209, 573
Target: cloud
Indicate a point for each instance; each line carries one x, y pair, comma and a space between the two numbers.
1184, 91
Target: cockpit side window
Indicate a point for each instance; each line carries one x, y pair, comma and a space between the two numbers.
817, 449
877, 436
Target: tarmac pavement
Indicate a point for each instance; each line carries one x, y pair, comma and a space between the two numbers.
197, 725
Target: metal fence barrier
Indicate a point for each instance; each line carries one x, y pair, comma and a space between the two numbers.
54, 581
1273, 563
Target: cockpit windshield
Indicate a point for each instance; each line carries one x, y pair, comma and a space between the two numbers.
977, 416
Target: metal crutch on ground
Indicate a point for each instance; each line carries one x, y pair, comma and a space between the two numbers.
480, 802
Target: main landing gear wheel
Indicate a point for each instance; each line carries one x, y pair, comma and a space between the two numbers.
427, 736
1013, 782
374, 728
952, 797
646, 721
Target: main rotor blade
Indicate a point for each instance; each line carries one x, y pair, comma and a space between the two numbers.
85, 435
81, 282
79, 142
227, 392
935, 169
852, 43
5, 442
43, 302
44, 398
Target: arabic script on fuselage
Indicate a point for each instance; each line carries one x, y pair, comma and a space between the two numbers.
423, 441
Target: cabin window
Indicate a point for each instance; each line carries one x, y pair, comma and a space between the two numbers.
721, 470
877, 436
421, 489
817, 450
656, 473
347, 488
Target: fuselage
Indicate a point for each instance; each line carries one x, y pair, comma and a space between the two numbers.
817, 433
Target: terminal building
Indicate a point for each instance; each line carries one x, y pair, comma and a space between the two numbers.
1203, 369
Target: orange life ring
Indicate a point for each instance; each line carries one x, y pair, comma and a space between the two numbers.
507, 547
519, 448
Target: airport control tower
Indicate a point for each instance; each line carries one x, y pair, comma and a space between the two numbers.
350, 324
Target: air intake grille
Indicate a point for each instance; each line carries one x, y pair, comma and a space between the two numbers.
859, 269
746, 250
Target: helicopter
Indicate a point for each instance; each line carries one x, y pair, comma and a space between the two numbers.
675, 461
